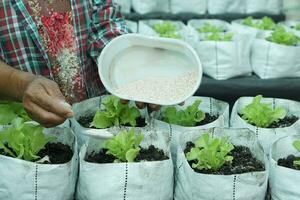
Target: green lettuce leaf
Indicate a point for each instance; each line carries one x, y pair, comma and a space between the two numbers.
166, 30
281, 36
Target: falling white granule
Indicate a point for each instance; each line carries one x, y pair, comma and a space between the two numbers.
160, 89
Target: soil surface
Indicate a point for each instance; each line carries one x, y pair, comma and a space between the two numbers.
85, 121
282, 123
208, 119
150, 154
288, 162
58, 153
243, 162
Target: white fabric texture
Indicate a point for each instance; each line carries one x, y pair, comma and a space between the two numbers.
226, 6
264, 6
130, 181
23, 180
133, 26
125, 5
149, 6
192, 6
266, 136
284, 182
190, 185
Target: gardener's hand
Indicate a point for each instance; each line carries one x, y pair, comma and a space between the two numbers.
44, 102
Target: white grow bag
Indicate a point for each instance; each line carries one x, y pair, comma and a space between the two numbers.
266, 136
146, 28
124, 4
133, 26
87, 108
150, 6
190, 185
264, 6
226, 6
223, 59
208, 105
192, 6
130, 181
284, 182
23, 180
271, 60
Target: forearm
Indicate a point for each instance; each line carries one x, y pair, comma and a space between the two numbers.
13, 82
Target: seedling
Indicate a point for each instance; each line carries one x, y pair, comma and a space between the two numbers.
281, 36
296, 144
210, 153
262, 114
265, 24
188, 117
166, 30
209, 28
23, 141
297, 27
125, 146
114, 114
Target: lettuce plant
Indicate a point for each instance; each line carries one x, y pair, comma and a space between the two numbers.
166, 30
115, 114
11, 110
296, 144
23, 140
219, 37
210, 153
281, 36
262, 114
297, 27
125, 146
209, 28
188, 117
266, 23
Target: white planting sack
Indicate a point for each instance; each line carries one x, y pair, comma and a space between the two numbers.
192, 6
88, 108
284, 182
190, 185
124, 4
23, 180
150, 6
264, 6
208, 105
271, 60
133, 26
223, 60
266, 136
131, 181
146, 28
226, 6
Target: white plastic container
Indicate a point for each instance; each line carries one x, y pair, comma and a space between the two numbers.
132, 59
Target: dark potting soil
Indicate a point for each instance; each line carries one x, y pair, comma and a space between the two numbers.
208, 119
58, 153
243, 162
288, 162
150, 154
85, 121
282, 123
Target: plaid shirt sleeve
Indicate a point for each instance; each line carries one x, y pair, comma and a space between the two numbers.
106, 24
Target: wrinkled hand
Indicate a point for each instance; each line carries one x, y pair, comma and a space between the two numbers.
44, 102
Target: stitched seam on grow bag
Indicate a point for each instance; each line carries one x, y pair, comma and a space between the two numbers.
267, 61
210, 106
126, 182
234, 188
217, 63
256, 132
171, 132
36, 183
274, 103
